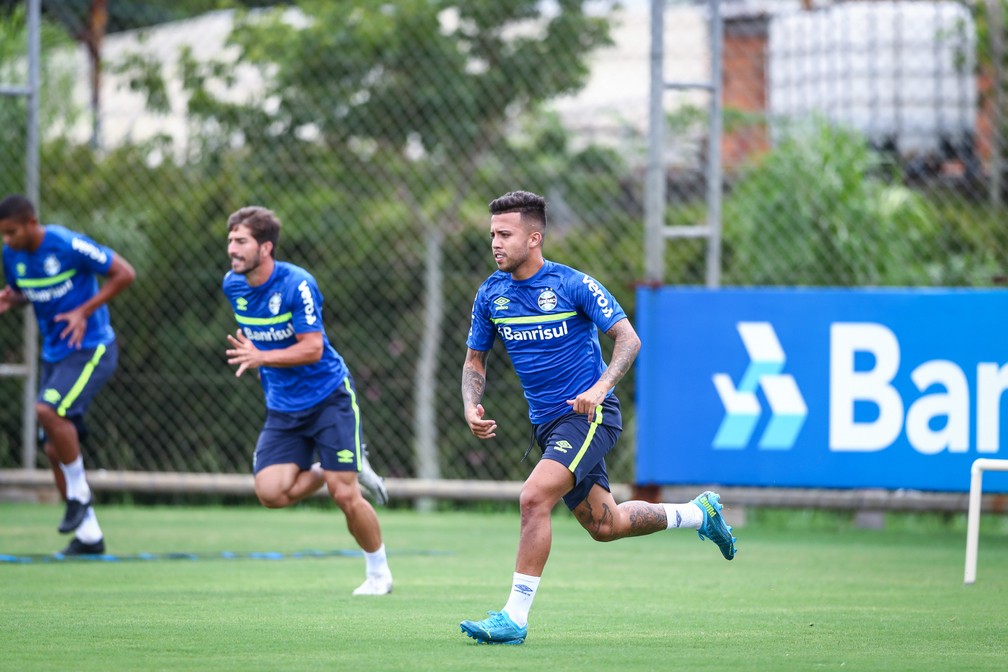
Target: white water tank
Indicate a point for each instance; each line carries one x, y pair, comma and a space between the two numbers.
902, 73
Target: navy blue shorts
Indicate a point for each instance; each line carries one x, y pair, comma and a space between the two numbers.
581, 446
70, 384
328, 432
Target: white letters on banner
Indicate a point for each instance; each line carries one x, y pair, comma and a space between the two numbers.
936, 421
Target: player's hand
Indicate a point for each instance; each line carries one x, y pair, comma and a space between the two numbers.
482, 428
242, 352
586, 402
76, 327
8, 299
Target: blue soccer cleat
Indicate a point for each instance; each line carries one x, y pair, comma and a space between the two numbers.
498, 629
714, 527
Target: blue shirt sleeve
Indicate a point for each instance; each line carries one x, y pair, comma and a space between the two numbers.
88, 255
305, 300
597, 302
481, 329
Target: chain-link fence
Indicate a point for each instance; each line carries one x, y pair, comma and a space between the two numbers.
857, 151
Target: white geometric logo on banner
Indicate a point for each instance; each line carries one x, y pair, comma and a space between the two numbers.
742, 407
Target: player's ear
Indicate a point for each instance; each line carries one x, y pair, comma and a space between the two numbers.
535, 240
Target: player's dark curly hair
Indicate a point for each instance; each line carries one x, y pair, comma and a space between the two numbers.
531, 206
17, 207
262, 223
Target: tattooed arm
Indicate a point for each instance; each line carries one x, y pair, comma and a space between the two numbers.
625, 347
473, 386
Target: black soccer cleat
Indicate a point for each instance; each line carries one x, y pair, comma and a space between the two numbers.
78, 547
74, 516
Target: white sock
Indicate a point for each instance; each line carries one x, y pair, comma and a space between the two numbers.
76, 482
686, 515
523, 590
89, 531
377, 563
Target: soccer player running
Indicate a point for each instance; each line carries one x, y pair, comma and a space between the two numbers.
311, 400
56, 270
548, 316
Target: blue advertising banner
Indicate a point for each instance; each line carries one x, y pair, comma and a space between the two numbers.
831, 388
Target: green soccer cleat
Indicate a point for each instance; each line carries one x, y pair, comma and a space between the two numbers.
714, 527
498, 629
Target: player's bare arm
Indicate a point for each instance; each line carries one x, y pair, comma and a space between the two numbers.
626, 345
246, 355
473, 386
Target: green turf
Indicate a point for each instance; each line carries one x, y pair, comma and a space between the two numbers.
804, 593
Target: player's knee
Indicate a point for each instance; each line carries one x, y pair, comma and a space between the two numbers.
272, 498
45, 413
346, 497
598, 521
534, 500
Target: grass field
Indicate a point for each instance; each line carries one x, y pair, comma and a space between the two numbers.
806, 592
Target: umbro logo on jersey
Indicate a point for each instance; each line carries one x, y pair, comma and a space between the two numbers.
501, 303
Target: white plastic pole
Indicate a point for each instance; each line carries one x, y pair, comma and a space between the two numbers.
973, 517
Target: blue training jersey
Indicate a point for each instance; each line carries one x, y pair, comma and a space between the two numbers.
59, 276
549, 324
271, 315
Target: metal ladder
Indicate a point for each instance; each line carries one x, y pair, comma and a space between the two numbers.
656, 232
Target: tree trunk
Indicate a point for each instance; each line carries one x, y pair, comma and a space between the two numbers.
425, 393
94, 35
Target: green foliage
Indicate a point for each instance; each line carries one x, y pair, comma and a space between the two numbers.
365, 156
823, 209
381, 127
